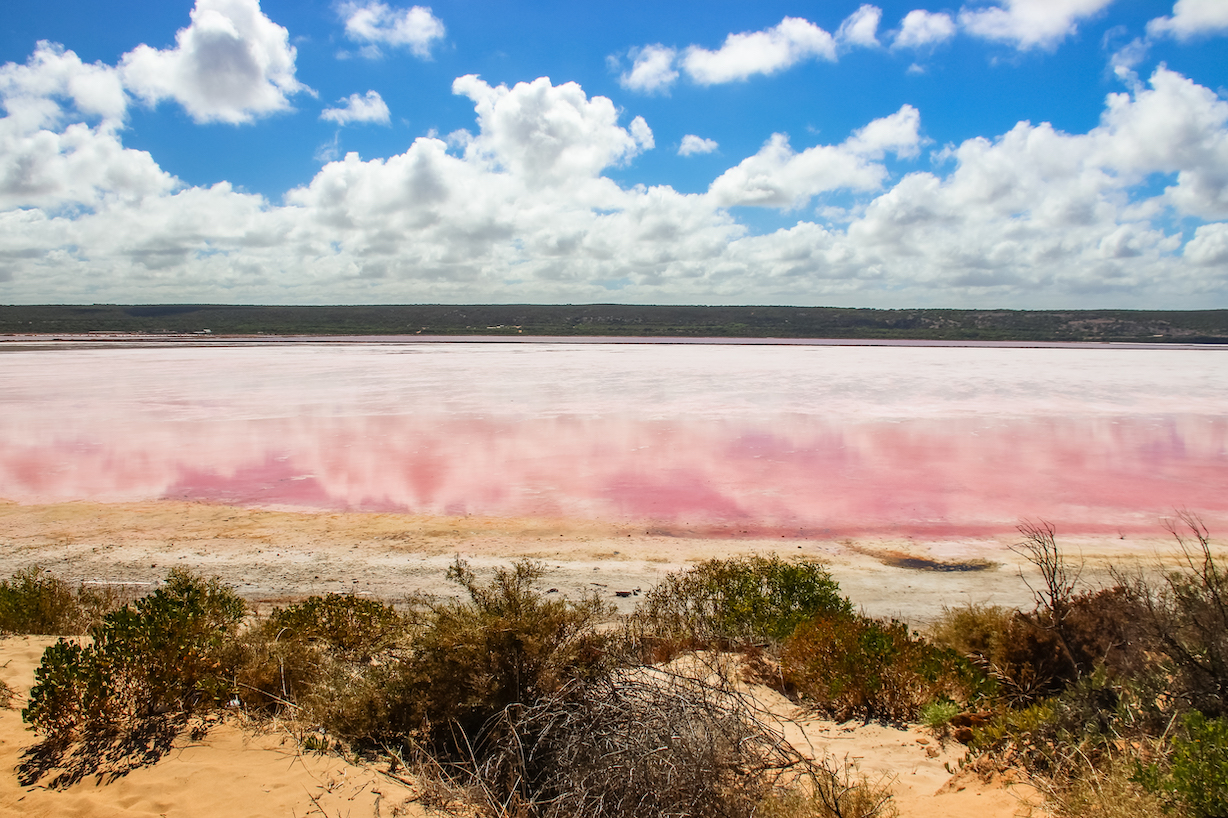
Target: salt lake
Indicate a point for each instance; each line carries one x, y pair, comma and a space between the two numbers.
721, 439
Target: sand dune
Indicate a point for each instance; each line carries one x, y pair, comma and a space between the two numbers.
250, 771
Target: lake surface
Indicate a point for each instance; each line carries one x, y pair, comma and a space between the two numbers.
717, 439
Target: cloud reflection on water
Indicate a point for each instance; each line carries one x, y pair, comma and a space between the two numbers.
842, 440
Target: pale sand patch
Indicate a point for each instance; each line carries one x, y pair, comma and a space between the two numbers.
277, 555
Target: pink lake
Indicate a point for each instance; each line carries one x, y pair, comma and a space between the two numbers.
738, 440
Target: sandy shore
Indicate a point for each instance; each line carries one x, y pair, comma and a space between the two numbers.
238, 771
278, 555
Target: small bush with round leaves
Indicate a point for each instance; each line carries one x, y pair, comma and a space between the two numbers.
737, 601
159, 655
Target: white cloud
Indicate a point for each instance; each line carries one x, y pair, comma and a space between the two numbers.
921, 28
521, 210
743, 55
1192, 18
642, 134
231, 64
548, 134
377, 23
1209, 245
356, 108
50, 157
652, 69
81, 166
1029, 24
692, 144
861, 27
776, 176
51, 72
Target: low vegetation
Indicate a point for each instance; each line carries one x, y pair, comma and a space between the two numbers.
34, 601
1148, 326
509, 701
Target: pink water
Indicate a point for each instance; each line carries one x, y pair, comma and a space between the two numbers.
715, 439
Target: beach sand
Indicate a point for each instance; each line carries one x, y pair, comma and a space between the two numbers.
272, 556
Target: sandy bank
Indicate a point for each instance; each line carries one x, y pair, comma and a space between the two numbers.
233, 772
274, 555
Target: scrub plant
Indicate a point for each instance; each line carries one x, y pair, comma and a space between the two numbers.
735, 602
506, 644
33, 601
158, 656
854, 666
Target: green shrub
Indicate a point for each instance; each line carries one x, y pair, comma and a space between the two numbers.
937, 714
1200, 766
741, 600
1088, 723
854, 666
355, 627
505, 643
1196, 774
160, 655
33, 601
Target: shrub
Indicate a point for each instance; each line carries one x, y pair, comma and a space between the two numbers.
637, 742
506, 643
33, 601
157, 656
1197, 771
937, 714
854, 666
977, 632
1187, 617
355, 627
735, 601
1200, 766
313, 656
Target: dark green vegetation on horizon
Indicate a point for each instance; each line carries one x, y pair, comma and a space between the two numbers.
1153, 326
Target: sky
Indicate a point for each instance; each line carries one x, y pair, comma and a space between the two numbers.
1041, 154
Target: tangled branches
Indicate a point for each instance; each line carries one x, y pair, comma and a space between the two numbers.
642, 741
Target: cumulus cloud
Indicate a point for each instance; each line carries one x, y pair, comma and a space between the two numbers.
522, 209
744, 55
29, 91
1029, 24
777, 176
692, 144
51, 156
921, 28
376, 23
359, 108
548, 134
652, 69
861, 27
232, 64
1209, 246
1192, 18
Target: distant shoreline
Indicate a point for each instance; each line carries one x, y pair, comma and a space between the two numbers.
122, 338
630, 323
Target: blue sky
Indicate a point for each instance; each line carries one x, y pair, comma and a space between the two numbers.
998, 153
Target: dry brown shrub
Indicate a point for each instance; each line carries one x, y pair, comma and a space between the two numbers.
640, 742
